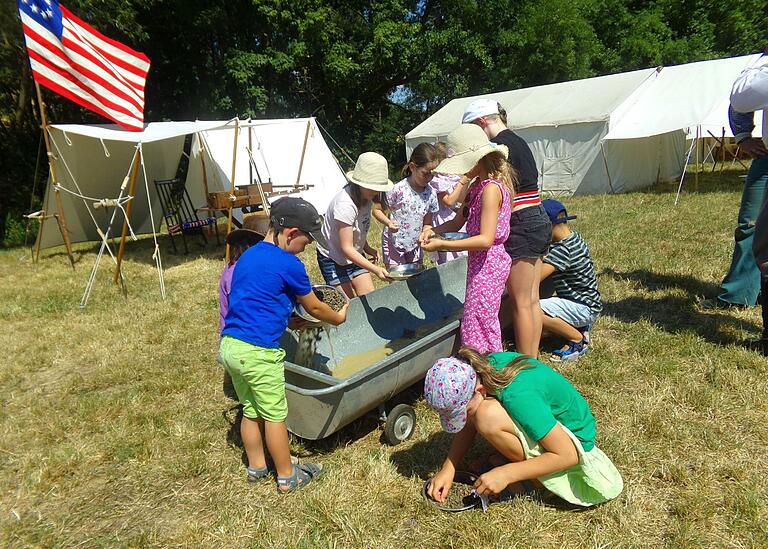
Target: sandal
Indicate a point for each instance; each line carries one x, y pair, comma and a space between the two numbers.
302, 475
256, 474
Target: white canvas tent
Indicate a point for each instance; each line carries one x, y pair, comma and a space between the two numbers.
93, 161
612, 133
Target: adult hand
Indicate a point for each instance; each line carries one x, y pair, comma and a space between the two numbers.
394, 226
753, 147
492, 482
296, 323
440, 485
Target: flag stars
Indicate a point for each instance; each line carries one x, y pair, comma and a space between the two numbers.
34, 8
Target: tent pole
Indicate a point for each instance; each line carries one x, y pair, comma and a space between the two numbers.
605, 163
128, 208
202, 162
722, 150
682, 177
59, 206
232, 186
696, 173
250, 147
303, 152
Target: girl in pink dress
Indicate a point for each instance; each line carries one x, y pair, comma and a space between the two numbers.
487, 216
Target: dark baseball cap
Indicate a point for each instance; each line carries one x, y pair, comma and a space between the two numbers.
554, 209
291, 212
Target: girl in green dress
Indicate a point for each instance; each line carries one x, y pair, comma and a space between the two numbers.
531, 415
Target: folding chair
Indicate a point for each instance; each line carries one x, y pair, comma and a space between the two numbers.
179, 213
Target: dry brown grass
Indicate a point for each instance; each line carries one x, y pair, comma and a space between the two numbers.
114, 429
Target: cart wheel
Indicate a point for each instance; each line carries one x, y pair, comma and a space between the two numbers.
401, 422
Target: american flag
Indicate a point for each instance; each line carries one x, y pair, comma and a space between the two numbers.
76, 61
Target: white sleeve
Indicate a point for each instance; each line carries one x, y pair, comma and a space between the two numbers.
750, 90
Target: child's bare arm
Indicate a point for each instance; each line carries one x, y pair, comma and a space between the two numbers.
458, 194
381, 216
322, 311
491, 204
560, 455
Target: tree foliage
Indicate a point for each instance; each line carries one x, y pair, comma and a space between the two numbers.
369, 71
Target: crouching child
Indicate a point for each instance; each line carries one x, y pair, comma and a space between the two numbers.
577, 303
533, 417
267, 281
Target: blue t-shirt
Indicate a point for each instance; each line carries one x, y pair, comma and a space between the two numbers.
265, 284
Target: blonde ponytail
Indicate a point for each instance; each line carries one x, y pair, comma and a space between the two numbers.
497, 167
494, 379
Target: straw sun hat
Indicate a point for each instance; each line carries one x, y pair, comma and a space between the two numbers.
465, 146
371, 172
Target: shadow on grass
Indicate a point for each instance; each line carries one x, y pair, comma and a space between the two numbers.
349, 434
676, 314
423, 458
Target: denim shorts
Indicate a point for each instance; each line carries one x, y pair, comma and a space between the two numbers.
574, 313
530, 233
335, 274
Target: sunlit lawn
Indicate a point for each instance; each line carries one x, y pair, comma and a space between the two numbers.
114, 429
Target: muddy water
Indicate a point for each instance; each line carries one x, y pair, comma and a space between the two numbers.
355, 362
352, 363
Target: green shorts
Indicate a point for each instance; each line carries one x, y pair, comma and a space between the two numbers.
258, 375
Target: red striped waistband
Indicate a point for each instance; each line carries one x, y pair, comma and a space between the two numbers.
530, 197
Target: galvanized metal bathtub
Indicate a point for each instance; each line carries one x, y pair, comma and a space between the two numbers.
417, 318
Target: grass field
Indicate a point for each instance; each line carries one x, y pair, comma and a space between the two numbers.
114, 430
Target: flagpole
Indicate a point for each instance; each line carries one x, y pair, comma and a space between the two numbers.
61, 219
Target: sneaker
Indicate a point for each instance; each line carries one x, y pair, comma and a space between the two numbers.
571, 352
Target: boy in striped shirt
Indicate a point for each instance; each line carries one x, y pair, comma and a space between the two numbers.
577, 303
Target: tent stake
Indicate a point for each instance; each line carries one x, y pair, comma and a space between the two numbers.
128, 208
303, 152
62, 222
232, 186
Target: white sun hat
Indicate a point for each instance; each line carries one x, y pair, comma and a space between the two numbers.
465, 146
371, 172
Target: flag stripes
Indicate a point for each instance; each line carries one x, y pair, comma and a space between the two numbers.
85, 66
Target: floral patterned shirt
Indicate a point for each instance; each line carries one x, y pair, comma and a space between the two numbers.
408, 207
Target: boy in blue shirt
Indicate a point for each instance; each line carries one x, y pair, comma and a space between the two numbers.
267, 281
577, 304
